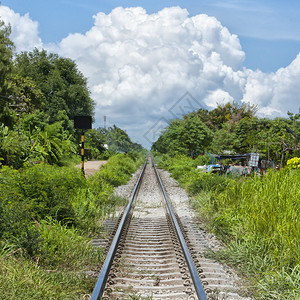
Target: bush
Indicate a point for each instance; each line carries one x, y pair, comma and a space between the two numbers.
181, 167
118, 170
34, 193
64, 248
294, 163
207, 182
258, 218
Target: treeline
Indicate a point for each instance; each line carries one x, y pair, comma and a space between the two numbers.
40, 93
231, 128
116, 139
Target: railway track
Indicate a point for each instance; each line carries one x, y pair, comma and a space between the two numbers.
154, 255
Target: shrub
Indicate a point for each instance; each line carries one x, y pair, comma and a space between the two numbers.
60, 194
118, 170
33, 193
206, 182
93, 202
258, 217
64, 248
294, 163
47, 190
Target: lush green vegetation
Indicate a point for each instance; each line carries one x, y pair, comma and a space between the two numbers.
48, 211
231, 128
40, 93
257, 217
116, 139
48, 216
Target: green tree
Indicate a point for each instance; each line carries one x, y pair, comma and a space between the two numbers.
223, 140
187, 136
119, 141
231, 111
196, 136
62, 85
95, 139
24, 94
13, 147
245, 135
51, 144
6, 52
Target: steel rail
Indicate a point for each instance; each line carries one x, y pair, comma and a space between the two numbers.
193, 271
100, 285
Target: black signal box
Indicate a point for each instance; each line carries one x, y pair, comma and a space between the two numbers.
83, 122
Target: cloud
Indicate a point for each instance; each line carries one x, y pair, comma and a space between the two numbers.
24, 31
274, 93
140, 65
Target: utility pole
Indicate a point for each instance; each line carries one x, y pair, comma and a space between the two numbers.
21, 107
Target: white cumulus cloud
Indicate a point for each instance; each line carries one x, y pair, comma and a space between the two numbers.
139, 65
274, 93
24, 33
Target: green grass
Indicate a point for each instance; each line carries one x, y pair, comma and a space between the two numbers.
48, 216
21, 279
258, 218
64, 248
268, 209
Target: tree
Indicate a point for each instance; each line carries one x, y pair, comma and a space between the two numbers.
224, 113
13, 147
51, 144
186, 136
231, 112
245, 135
24, 94
223, 140
63, 87
119, 141
6, 52
95, 139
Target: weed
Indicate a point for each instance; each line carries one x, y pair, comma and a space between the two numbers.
257, 217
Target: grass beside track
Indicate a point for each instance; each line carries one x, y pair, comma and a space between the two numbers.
258, 218
48, 216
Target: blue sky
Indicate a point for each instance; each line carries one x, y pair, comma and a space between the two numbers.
143, 59
269, 30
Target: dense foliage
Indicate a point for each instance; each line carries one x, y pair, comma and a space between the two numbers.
40, 93
101, 142
48, 210
232, 128
257, 217
48, 214
60, 85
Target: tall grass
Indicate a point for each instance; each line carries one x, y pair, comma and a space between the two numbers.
257, 217
47, 216
21, 279
64, 248
269, 210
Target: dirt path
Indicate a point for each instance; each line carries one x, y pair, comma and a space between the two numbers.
92, 166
